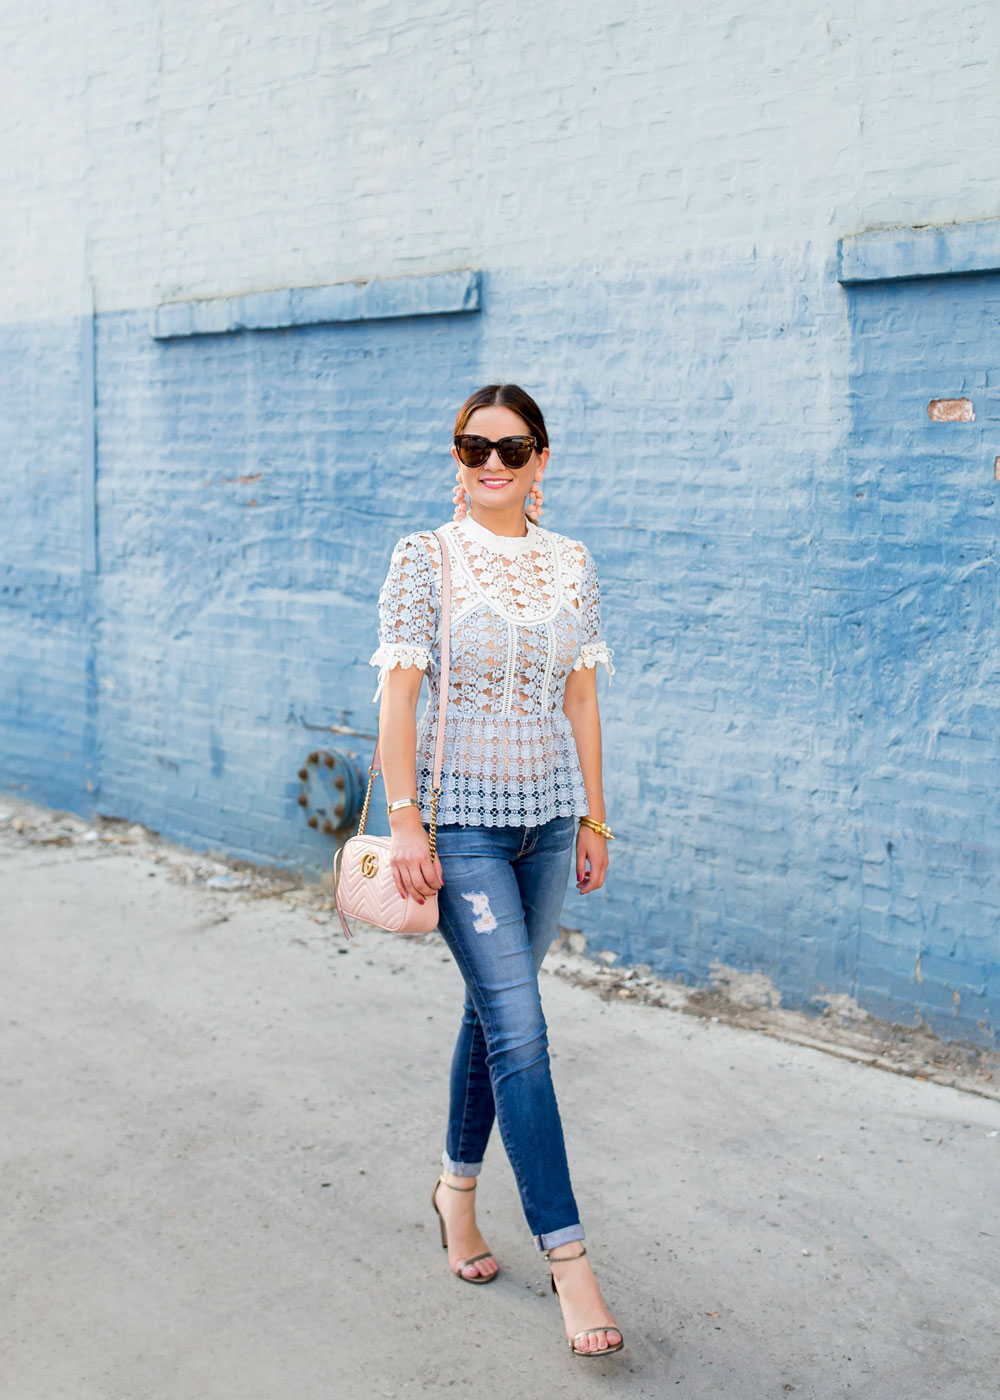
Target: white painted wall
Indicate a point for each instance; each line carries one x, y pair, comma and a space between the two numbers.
206, 148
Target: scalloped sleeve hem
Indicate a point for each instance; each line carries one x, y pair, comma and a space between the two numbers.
392, 654
593, 654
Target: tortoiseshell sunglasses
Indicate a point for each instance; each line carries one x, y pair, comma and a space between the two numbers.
474, 451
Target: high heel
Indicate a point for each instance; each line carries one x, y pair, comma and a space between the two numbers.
479, 1278
585, 1331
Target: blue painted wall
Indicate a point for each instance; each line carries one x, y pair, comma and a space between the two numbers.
798, 579
916, 671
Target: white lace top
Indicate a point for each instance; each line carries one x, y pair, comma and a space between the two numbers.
524, 613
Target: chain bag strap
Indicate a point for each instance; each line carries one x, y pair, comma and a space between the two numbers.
363, 883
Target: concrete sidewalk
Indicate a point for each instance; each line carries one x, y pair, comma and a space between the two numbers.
222, 1125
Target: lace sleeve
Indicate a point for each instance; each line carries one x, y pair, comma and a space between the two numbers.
407, 611
594, 649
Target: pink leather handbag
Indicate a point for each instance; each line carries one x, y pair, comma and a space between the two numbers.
363, 883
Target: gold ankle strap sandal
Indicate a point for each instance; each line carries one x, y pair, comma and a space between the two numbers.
586, 1331
479, 1278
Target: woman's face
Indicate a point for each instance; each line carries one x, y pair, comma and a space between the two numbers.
494, 486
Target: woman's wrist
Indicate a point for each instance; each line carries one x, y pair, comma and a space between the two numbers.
601, 827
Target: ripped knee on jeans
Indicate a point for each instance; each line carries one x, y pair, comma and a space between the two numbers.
484, 920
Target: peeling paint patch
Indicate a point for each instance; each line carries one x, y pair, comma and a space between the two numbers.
841, 1005
951, 411
744, 988
484, 921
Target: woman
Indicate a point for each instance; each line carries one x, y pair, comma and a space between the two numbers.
521, 790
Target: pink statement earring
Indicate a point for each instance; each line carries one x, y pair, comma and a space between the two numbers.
461, 506
535, 499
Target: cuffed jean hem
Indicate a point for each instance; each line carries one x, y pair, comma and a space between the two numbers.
558, 1237
460, 1168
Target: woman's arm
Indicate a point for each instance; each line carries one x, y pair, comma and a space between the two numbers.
407, 615
410, 854
581, 709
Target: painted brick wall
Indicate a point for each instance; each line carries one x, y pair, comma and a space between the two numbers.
655, 201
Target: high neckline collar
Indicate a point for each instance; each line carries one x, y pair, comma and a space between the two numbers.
502, 544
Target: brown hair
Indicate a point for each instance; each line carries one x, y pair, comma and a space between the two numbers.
510, 396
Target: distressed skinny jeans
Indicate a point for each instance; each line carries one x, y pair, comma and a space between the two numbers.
499, 907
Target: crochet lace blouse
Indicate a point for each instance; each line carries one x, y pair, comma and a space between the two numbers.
524, 613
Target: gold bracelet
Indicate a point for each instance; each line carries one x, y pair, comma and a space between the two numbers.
403, 802
601, 828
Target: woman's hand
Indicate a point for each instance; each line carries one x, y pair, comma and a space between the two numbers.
410, 857
591, 860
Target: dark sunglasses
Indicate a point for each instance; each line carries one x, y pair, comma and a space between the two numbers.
475, 451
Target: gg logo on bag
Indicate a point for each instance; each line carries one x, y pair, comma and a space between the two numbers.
369, 865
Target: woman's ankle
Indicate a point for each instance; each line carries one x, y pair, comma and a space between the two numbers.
572, 1249
458, 1183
